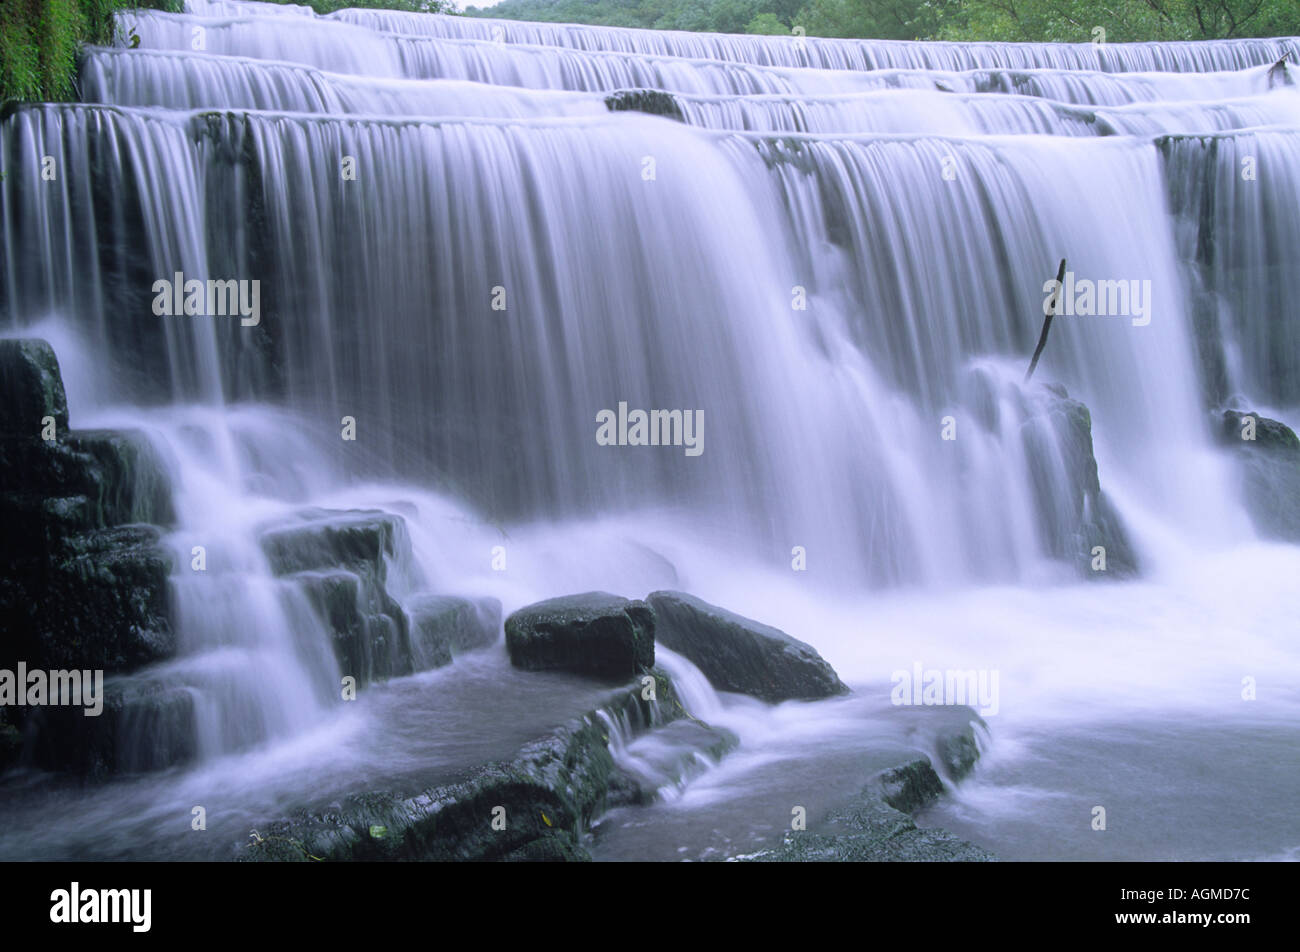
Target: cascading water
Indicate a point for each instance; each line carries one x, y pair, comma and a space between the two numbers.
841, 246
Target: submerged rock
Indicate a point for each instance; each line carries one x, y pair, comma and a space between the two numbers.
738, 654
595, 633
145, 725
877, 826
1270, 470
449, 625
682, 750
654, 101
871, 830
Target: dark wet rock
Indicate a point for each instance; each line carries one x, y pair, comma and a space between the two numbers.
360, 540
11, 741
910, 786
453, 625
101, 601
89, 479
551, 847
86, 580
1073, 514
342, 560
1279, 76
369, 631
654, 101
1269, 469
958, 751
872, 831
124, 479
1268, 434
31, 388
738, 654
877, 826
547, 797
596, 633
145, 725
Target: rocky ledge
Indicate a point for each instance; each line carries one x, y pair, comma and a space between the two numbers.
535, 807
342, 561
542, 804
86, 578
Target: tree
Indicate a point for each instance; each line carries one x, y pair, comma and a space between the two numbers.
767, 24
1123, 20
875, 19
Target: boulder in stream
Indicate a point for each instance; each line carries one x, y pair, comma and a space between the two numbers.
595, 633
739, 654
1268, 454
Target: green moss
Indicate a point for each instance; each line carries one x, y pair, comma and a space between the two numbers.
41, 39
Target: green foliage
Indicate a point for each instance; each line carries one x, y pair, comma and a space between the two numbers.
40, 40
1122, 20
719, 16
767, 24
878, 19
408, 6
1053, 20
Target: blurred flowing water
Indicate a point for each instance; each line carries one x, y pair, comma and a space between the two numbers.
461, 245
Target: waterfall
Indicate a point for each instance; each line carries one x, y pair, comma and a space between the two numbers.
465, 248
730, 65
822, 53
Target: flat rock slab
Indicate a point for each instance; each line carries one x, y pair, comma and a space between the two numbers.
596, 633
741, 655
360, 539
535, 807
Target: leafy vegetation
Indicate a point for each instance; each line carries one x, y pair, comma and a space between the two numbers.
410, 6
1053, 20
40, 40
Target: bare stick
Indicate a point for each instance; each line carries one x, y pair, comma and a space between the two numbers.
1047, 321
1277, 74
